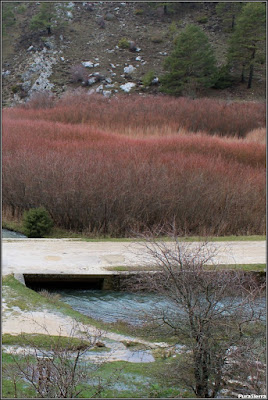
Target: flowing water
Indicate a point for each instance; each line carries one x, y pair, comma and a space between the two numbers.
110, 306
12, 234
132, 308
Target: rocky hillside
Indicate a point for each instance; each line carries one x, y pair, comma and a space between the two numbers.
90, 49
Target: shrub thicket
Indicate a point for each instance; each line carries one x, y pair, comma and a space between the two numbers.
95, 180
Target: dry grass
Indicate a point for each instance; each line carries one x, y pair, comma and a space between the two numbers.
257, 136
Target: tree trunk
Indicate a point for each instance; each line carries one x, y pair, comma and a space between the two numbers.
201, 373
251, 68
243, 74
233, 22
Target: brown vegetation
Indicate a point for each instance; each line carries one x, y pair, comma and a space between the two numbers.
74, 160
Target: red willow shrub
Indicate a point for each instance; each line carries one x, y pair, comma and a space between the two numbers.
136, 114
103, 183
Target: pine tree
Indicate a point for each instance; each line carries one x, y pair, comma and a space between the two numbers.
49, 16
191, 65
8, 16
228, 12
247, 44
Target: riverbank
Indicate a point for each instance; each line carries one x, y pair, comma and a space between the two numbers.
42, 318
59, 233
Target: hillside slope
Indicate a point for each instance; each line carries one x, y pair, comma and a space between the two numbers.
34, 61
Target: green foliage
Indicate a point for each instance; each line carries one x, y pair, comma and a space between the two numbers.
15, 88
8, 16
50, 15
228, 12
224, 78
37, 222
21, 9
203, 19
172, 30
148, 77
247, 43
123, 43
191, 65
139, 11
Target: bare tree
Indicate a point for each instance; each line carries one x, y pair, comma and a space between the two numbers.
61, 369
212, 312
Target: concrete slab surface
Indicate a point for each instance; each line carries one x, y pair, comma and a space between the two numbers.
67, 256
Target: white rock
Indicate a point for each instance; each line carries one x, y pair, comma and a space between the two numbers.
138, 49
88, 64
155, 80
69, 14
30, 48
62, 58
96, 59
97, 65
5, 73
112, 65
113, 74
99, 89
108, 80
127, 86
107, 93
70, 4
91, 91
61, 37
129, 69
138, 58
91, 81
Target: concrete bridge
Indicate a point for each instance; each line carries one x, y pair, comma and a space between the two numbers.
77, 257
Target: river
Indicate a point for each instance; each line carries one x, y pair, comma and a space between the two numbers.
6, 234
132, 308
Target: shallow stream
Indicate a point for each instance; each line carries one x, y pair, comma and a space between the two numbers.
132, 308
6, 233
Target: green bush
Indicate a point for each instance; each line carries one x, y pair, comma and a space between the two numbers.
138, 11
37, 222
123, 43
148, 77
203, 19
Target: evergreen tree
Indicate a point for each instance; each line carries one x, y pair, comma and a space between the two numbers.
8, 16
247, 44
191, 65
228, 12
49, 16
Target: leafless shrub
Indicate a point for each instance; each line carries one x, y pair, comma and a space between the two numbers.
40, 99
54, 297
78, 73
210, 313
60, 371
